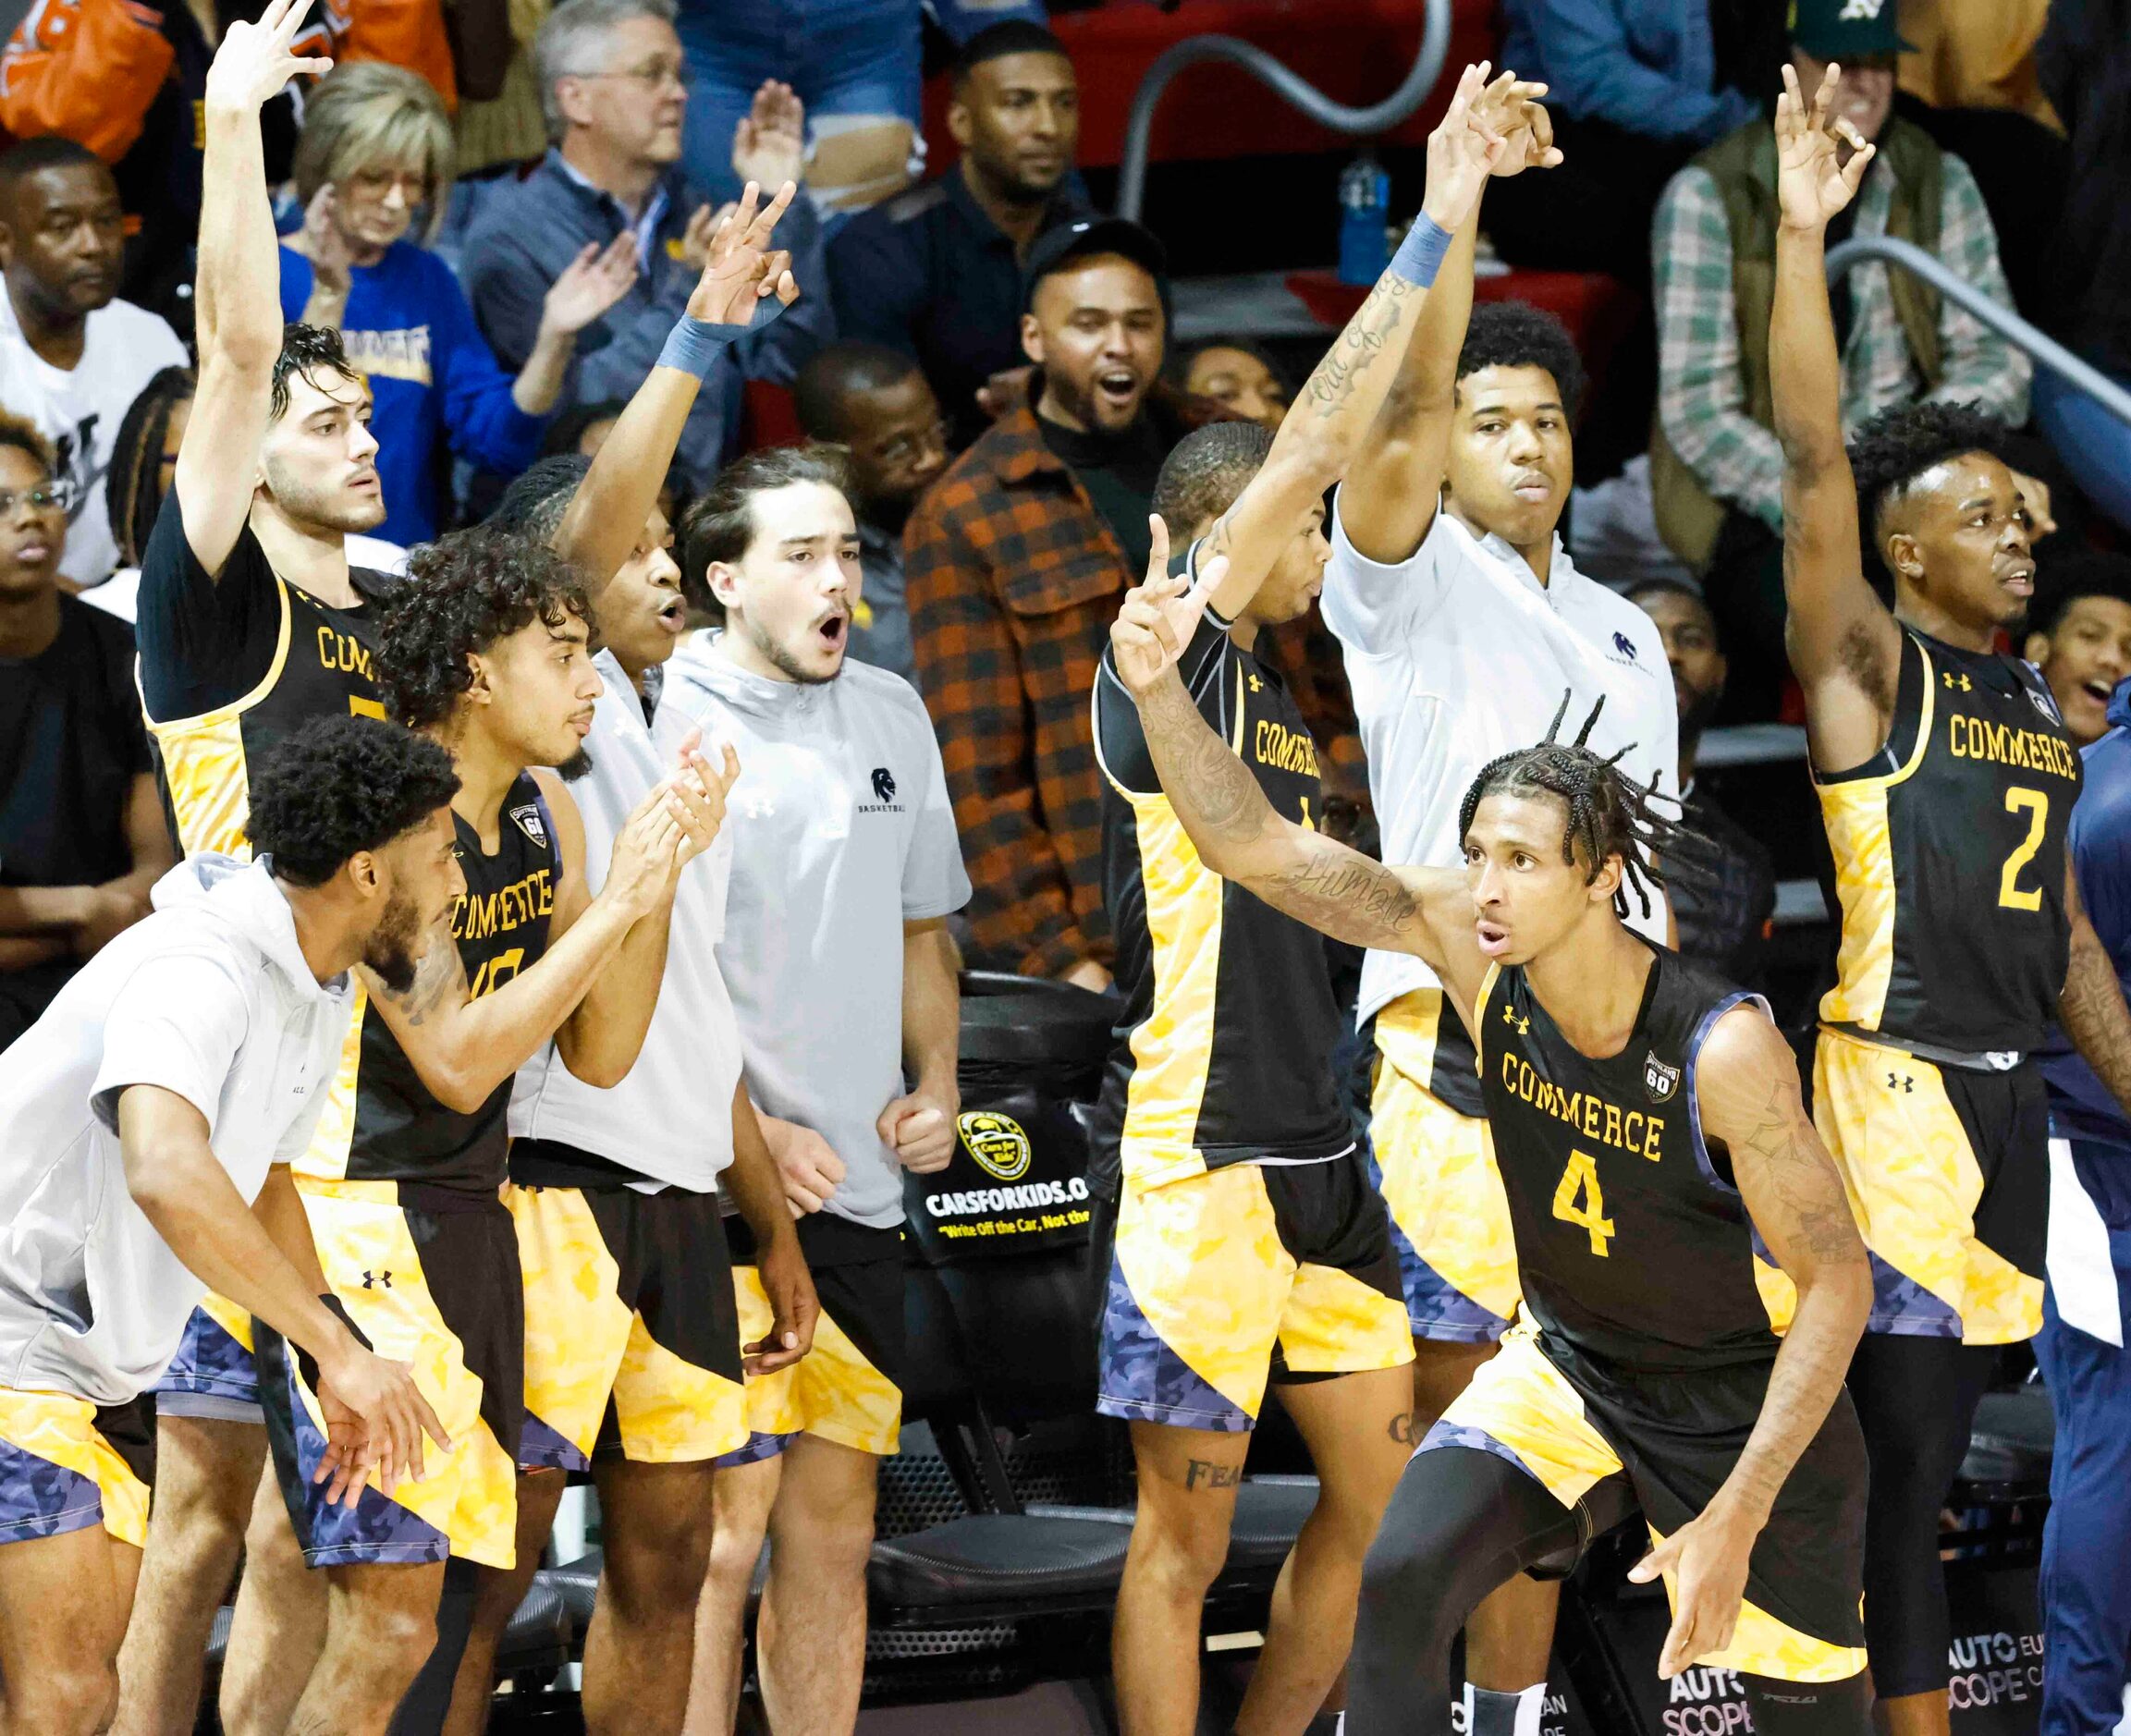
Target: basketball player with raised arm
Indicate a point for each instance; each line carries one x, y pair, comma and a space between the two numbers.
1946, 780
1646, 1122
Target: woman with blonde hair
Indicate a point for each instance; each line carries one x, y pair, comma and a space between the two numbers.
375, 157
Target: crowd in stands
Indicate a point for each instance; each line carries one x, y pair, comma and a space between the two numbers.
502, 207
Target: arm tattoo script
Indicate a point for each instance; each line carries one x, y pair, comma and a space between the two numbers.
1331, 383
2093, 1009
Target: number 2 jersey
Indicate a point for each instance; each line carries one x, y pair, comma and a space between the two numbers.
398, 1130
1633, 1244
230, 666
1949, 847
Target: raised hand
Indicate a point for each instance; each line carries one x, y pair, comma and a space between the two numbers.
769, 143
640, 874
322, 242
741, 268
1527, 128
702, 789
1813, 182
254, 63
1161, 614
1464, 147
589, 285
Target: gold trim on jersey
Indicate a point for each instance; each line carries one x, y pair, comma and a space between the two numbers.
1172, 1048
1854, 811
326, 1158
1480, 1019
202, 757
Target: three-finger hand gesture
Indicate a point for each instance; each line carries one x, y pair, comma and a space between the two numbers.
1161, 614
1813, 182
741, 269
254, 63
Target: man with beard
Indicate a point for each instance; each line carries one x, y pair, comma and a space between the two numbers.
936, 274
150, 1117
251, 622
876, 403
73, 357
1016, 560
485, 649
1723, 905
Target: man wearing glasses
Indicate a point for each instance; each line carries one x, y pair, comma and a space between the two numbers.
615, 96
73, 357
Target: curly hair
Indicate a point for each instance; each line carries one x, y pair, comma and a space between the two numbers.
1897, 447
134, 493
308, 350
340, 784
463, 593
1609, 812
1517, 335
1206, 471
25, 438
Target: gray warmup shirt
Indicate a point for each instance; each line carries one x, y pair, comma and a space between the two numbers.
842, 832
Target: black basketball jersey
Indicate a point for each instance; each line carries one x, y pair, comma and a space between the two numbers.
1949, 848
1225, 1046
399, 1131
1632, 1245
231, 665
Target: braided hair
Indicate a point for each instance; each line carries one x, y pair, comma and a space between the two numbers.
1609, 812
134, 494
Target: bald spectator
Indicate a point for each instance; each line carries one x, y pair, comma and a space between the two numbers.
936, 274
73, 357
875, 402
615, 93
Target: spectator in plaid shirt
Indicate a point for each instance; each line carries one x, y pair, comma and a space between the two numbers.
1716, 471
1016, 561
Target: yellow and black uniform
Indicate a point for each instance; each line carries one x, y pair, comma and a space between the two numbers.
403, 1199
1247, 1241
1949, 848
632, 1332
228, 666
1617, 1368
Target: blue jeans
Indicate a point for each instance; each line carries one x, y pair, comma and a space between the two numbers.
2086, 1584
2091, 443
842, 56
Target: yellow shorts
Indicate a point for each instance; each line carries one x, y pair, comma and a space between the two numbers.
1221, 1282
1451, 1218
848, 1387
432, 1279
631, 1345
1947, 1169
67, 1464
1675, 1439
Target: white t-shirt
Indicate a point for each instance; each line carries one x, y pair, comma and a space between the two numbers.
80, 409
1457, 655
667, 1119
842, 832
209, 999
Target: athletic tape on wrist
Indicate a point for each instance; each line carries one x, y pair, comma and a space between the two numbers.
694, 345
1420, 255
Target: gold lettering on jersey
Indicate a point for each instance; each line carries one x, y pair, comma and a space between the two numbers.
402, 355
2030, 749
349, 655
476, 916
1634, 1130
1285, 749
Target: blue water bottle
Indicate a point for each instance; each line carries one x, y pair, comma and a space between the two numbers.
1365, 221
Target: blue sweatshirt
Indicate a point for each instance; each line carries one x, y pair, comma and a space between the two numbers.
434, 377
2081, 1108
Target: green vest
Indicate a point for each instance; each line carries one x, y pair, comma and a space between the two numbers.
1743, 165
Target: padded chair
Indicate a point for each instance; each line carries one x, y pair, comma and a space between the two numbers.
2003, 1489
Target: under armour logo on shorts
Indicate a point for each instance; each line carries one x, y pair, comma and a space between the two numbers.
1860, 8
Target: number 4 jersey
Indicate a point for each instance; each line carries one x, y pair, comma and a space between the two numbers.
1632, 1245
1949, 847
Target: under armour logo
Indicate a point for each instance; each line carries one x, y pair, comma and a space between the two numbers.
883, 784
1959, 681
1901, 1081
1255, 684
1860, 8
1510, 1017
380, 1280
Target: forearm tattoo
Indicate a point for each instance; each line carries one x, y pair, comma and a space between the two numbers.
1331, 383
2091, 1008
